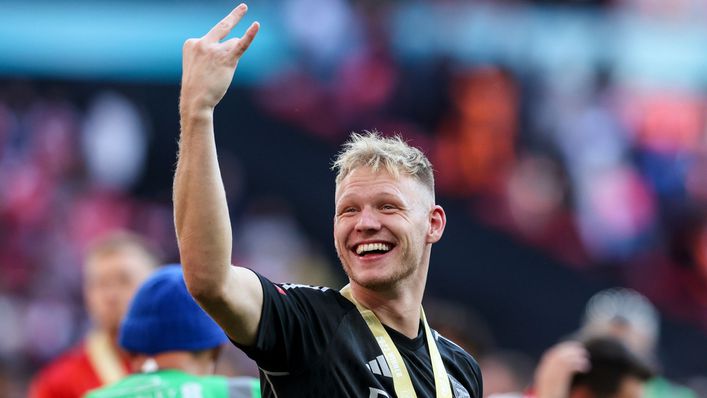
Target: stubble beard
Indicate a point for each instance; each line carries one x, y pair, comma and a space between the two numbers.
408, 266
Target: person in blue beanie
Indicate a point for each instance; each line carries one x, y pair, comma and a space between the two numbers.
174, 345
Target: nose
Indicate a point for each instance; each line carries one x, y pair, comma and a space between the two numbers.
367, 220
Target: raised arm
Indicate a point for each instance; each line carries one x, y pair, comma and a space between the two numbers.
231, 295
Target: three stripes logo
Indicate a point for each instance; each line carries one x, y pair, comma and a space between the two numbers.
379, 367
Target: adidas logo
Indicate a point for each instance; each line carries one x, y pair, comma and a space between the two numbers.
379, 367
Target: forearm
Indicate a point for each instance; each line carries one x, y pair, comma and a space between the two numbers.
232, 296
200, 207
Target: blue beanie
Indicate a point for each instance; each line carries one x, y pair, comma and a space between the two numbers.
164, 317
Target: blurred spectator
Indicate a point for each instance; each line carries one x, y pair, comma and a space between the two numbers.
628, 316
476, 142
173, 346
598, 368
114, 268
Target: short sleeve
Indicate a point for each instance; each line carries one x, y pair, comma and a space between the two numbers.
296, 325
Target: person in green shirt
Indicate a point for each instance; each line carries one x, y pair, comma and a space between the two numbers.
174, 344
629, 316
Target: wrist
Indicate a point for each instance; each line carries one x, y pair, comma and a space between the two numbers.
193, 113
196, 122
195, 104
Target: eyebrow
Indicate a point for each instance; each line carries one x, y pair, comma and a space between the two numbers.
380, 196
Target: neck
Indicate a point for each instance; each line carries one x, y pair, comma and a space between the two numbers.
112, 337
187, 362
397, 308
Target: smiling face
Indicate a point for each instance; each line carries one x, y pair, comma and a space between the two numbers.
111, 280
384, 227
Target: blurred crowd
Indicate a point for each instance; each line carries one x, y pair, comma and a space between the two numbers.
612, 353
68, 173
604, 172
591, 159
62, 187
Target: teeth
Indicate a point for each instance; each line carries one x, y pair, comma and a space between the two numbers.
367, 247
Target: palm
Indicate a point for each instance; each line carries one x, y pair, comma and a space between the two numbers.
209, 63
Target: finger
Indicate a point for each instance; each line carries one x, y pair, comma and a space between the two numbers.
239, 46
223, 28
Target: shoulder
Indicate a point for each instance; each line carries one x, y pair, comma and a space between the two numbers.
72, 360
243, 387
297, 323
126, 385
305, 295
231, 387
317, 292
70, 365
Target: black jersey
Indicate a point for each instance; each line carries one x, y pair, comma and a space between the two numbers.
313, 342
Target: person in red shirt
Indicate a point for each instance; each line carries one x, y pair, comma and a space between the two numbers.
115, 267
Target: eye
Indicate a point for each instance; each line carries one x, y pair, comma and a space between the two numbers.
347, 210
388, 206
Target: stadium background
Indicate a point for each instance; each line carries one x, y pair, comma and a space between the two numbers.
569, 139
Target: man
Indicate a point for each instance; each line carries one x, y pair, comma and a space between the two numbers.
597, 368
174, 346
630, 317
369, 340
115, 266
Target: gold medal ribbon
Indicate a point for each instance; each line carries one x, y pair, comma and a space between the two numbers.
104, 358
401, 377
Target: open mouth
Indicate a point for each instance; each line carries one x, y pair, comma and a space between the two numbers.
370, 249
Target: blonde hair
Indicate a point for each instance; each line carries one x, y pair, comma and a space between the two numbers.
119, 241
371, 149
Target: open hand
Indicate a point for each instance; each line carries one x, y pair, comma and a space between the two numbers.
209, 64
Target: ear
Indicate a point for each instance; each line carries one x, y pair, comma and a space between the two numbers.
136, 361
438, 220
